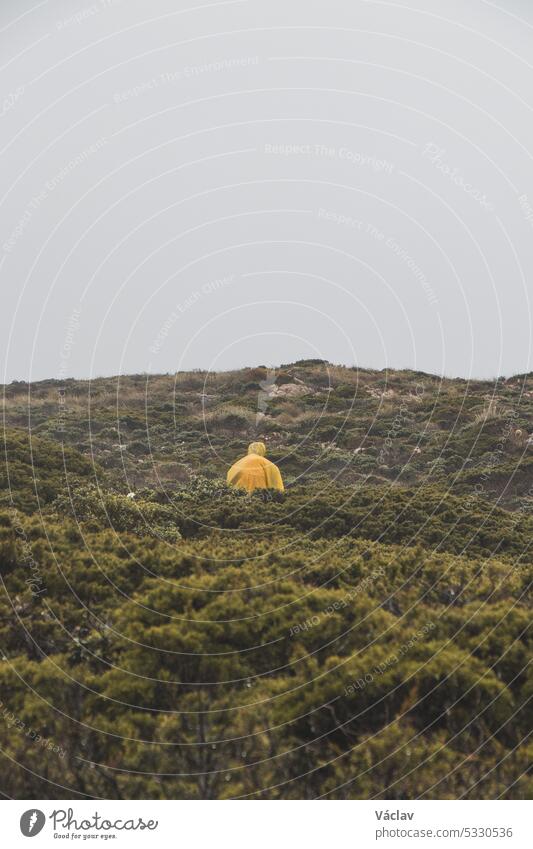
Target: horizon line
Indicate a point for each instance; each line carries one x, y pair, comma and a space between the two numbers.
303, 363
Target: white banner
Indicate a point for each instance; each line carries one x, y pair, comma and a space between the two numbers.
269, 825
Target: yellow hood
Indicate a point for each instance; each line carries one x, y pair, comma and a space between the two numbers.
257, 448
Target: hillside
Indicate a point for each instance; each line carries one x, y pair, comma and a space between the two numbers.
319, 420
363, 635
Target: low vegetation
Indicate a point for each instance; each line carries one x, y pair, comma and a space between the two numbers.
363, 635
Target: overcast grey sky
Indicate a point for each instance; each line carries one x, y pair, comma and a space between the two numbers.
219, 184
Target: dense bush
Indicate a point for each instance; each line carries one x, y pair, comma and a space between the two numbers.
99, 509
362, 635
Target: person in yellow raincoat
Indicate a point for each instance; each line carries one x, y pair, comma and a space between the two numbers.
254, 471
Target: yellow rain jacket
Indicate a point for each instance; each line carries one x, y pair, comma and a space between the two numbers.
254, 471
